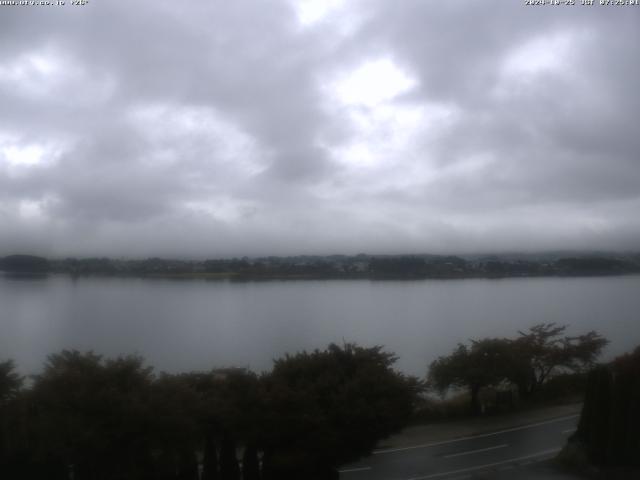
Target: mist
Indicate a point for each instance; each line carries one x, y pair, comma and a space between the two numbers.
231, 128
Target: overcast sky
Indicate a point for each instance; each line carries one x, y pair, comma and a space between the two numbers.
215, 128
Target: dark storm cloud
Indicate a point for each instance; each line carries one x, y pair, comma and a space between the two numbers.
239, 127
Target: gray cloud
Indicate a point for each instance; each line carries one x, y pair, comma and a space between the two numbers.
224, 128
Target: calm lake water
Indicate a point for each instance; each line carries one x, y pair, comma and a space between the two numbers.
188, 325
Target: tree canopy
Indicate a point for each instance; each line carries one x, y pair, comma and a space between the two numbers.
483, 363
608, 432
545, 349
10, 381
332, 406
101, 419
527, 361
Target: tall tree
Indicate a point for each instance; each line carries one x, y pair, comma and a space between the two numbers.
11, 429
229, 468
609, 427
329, 407
483, 363
250, 463
93, 414
544, 349
527, 361
210, 459
10, 381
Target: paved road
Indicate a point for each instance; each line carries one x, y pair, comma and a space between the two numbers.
464, 457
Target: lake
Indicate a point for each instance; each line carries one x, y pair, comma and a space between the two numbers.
197, 325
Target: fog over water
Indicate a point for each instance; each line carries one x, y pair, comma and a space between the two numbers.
185, 325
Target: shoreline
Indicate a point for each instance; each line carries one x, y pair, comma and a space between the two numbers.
241, 277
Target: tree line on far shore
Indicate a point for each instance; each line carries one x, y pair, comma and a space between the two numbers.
334, 266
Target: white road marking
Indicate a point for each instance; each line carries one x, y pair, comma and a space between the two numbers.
359, 469
568, 431
488, 465
472, 437
476, 451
